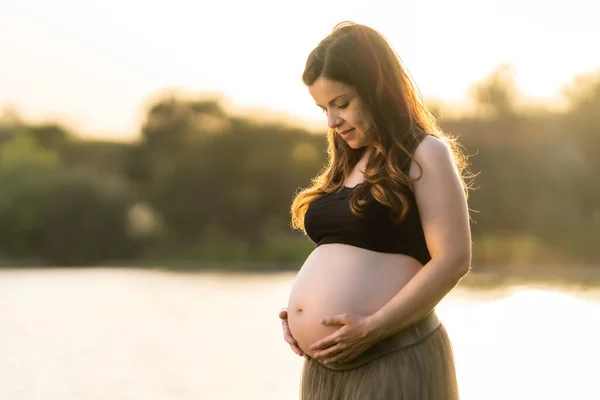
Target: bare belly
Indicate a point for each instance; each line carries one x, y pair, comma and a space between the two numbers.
338, 278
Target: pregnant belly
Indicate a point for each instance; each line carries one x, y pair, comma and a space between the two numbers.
338, 278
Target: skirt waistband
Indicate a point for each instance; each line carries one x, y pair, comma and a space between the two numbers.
405, 338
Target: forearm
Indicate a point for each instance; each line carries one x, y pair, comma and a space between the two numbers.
418, 297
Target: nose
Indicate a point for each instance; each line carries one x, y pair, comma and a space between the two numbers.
333, 120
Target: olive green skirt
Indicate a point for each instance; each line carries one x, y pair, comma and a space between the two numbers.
415, 364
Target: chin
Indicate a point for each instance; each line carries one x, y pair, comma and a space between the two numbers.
355, 145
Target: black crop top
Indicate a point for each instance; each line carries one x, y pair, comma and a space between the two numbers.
328, 219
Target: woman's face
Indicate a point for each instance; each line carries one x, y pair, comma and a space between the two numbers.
346, 113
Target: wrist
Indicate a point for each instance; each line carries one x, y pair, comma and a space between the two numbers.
376, 325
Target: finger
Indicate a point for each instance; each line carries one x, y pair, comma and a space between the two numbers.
340, 319
329, 341
287, 334
297, 350
332, 360
290, 339
350, 354
283, 314
330, 352
343, 357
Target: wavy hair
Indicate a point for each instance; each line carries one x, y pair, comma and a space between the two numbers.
361, 57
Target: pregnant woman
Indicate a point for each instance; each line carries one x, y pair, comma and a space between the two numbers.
390, 221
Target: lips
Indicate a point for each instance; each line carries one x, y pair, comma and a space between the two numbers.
346, 132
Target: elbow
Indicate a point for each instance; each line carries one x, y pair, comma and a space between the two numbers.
457, 264
463, 264
460, 264
464, 269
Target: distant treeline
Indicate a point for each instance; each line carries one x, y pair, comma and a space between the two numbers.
201, 185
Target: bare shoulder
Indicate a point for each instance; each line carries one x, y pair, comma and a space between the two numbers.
432, 154
442, 202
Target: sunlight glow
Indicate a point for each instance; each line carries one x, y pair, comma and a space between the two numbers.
536, 344
94, 65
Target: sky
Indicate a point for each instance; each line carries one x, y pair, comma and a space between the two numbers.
97, 66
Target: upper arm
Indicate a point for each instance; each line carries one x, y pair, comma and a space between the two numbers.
442, 202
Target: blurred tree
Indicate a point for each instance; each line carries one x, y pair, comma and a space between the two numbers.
27, 172
10, 121
100, 156
582, 128
211, 175
84, 220
236, 185
171, 126
58, 215
496, 95
582, 124
50, 136
199, 176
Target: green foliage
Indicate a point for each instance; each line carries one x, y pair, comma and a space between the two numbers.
24, 151
83, 220
514, 250
241, 179
26, 175
283, 250
99, 156
213, 187
62, 216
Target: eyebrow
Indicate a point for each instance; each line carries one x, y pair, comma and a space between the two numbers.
334, 99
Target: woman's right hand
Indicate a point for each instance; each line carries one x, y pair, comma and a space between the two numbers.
287, 335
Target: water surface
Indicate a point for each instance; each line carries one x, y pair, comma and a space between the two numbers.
91, 334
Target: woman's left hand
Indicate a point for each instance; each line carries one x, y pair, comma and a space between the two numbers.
354, 337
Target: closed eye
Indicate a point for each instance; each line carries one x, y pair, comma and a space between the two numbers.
340, 107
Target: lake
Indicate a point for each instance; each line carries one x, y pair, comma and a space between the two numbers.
118, 333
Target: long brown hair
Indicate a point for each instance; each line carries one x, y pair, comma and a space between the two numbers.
361, 57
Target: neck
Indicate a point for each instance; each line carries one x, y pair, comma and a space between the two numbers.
367, 151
